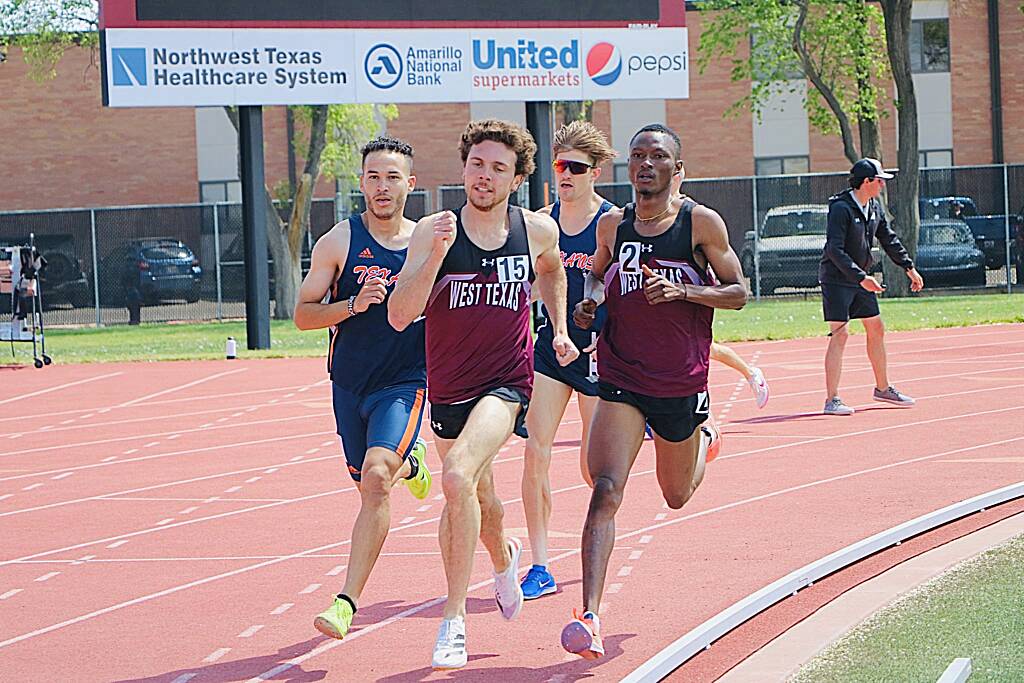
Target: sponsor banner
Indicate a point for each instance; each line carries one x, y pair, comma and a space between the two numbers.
199, 67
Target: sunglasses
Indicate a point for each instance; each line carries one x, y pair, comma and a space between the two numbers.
575, 167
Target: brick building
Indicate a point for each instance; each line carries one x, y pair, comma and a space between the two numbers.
63, 149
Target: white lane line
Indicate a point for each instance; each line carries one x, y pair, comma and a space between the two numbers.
635, 555
233, 489
613, 589
67, 422
328, 443
83, 559
296, 458
191, 500
165, 521
10, 594
337, 570
117, 544
423, 508
31, 486
185, 678
252, 480
179, 388
625, 571
311, 451
6, 496
204, 426
189, 510
86, 417
46, 577
271, 470
20, 397
281, 609
151, 444
660, 516
251, 631
65, 475
407, 520
310, 588
253, 409
646, 539
238, 414
131, 450
439, 496
216, 654
214, 499
289, 395
223, 419
173, 436
113, 457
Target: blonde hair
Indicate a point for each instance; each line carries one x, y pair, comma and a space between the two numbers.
507, 133
585, 137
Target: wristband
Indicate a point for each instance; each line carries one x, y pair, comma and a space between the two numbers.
352, 306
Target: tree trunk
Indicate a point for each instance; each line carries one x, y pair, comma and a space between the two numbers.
286, 285
905, 196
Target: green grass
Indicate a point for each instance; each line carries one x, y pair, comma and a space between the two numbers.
973, 611
776, 319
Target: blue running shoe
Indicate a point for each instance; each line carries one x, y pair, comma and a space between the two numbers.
537, 583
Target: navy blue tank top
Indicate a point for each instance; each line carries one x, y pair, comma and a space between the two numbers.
577, 253
366, 354
478, 317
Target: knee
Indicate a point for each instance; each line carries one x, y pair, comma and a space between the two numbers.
607, 495
457, 483
840, 335
537, 461
375, 483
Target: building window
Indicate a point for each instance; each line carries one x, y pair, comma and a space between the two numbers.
781, 165
936, 158
620, 172
211, 191
929, 45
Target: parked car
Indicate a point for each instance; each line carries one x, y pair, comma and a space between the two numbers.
947, 255
232, 269
63, 280
155, 270
989, 232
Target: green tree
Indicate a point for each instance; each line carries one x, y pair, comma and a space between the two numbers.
327, 137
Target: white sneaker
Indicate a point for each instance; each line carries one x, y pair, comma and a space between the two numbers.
507, 591
450, 648
759, 385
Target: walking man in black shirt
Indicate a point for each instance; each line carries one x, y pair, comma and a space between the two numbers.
855, 218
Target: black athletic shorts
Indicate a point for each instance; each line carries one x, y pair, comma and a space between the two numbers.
673, 419
447, 420
841, 303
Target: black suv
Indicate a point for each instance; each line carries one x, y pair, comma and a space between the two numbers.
154, 270
63, 279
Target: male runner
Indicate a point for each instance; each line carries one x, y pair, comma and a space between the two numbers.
472, 273
378, 375
654, 259
579, 149
855, 218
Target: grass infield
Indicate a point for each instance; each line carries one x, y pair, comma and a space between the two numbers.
757, 321
975, 610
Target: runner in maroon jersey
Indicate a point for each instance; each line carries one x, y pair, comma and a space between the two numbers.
652, 270
472, 275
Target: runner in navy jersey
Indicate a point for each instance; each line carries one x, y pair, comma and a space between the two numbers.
653, 268
472, 275
378, 375
579, 149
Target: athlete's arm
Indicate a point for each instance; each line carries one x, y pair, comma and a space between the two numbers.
431, 239
593, 284
543, 233
711, 236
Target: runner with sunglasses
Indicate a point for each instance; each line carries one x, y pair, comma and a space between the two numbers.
579, 149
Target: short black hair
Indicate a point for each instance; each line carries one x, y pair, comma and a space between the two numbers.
856, 182
660, 128
387, 143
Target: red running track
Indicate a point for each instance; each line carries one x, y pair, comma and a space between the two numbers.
185, 521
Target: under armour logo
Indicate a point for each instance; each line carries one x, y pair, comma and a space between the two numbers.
435, 425
486, 262
647, 247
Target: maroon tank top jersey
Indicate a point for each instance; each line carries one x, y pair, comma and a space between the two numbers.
658, 350
478, 317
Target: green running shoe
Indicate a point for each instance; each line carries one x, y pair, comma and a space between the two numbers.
335, 620
419, 486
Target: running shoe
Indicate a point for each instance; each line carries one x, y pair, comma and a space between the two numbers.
890, 395
419, 486
507, 592
450, 648
335, 620
537, 583
835, 406
582, 637
710, 429
759, 385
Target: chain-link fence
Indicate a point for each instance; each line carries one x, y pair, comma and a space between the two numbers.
186, 262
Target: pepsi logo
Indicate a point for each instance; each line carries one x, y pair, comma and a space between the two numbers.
604, 63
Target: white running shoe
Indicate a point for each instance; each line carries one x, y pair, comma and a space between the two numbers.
507, 591
450, 648
759, 385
